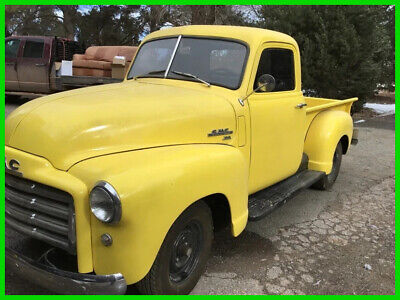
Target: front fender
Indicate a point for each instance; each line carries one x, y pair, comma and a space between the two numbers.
324, 133
155, 186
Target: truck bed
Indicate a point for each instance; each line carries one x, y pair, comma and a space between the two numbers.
63, 83
316, 105
68, 82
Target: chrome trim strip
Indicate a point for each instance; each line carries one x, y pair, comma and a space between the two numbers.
32, 187
37, 219
37, 204
40, 211
38, 233
172, 56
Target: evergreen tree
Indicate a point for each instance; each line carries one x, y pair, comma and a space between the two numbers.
343, 48
346, 51
110, 25
32, 20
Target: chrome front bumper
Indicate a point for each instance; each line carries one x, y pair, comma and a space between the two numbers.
63, 282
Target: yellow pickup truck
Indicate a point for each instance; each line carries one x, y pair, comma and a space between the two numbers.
210, 128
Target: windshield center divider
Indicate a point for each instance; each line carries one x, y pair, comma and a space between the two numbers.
172, 56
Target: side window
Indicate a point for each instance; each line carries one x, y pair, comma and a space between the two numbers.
33, 49
280, 64
12, 47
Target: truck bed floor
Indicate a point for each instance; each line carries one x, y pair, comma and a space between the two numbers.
265, 201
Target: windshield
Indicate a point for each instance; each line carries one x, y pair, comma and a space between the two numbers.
218, 62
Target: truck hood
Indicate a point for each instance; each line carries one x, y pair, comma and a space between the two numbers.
72, 126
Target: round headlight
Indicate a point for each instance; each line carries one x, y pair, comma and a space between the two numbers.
105, 203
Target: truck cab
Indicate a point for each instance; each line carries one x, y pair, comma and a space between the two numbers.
209, 129
31, 66
28, 62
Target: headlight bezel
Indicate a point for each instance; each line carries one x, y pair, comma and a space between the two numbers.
116, 202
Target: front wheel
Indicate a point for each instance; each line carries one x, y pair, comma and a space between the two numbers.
326, 182
183, 255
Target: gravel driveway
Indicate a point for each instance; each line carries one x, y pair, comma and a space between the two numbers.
336, 242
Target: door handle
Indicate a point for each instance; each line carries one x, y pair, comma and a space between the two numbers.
40, 65
301, 105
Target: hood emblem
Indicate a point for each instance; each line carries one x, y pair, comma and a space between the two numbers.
218, 132
12, 167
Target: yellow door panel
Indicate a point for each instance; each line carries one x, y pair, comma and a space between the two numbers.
241, 131
277, 124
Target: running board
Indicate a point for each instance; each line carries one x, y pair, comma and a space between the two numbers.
264, 202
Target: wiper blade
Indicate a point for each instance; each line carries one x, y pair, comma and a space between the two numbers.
150, 73
191, 76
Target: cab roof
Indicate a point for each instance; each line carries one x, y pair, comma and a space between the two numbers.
250, 35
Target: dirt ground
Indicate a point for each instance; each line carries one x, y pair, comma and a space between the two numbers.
381, 98
336, 242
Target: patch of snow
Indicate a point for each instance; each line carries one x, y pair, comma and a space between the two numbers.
387, 109
359, 121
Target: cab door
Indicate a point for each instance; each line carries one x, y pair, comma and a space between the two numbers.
277, 118
11, 53
34, 66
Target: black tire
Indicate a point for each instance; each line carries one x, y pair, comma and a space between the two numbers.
183, 255
326, 182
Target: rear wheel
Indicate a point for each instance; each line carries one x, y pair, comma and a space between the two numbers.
183, 255
327, 181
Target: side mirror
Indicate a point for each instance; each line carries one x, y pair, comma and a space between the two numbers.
265, 83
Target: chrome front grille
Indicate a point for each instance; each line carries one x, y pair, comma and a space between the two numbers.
40, 211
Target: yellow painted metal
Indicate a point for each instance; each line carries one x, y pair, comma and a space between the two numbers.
317, 105
320, 104
250, 35
120, 117
324, 133
156, 185
241, 131
277, 128
149, 138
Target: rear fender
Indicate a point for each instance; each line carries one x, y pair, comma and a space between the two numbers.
155, 186
324, 133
